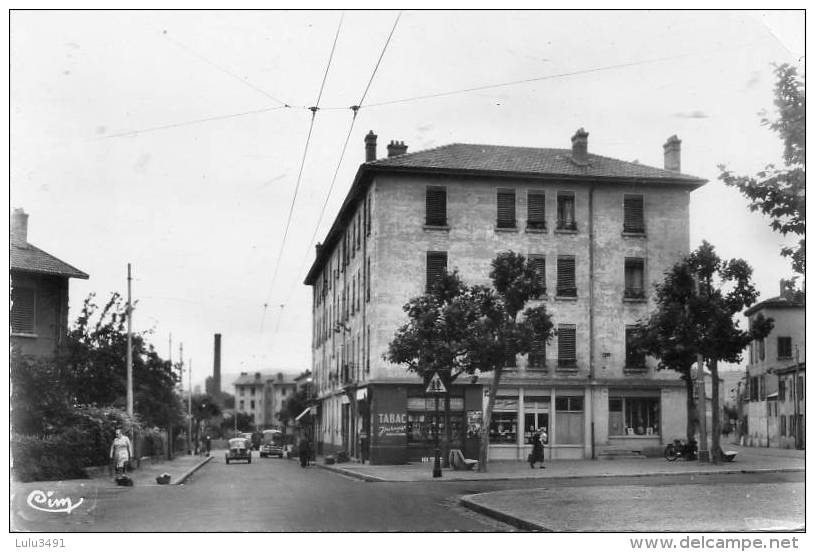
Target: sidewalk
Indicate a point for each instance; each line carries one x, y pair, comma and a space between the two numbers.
748, 460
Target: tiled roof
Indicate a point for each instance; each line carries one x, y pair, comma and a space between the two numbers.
29, 258
249, 379
531, 161
779, 302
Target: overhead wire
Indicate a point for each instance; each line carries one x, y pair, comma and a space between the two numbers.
313, 110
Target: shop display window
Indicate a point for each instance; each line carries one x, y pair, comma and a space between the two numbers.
504, 428
633, 416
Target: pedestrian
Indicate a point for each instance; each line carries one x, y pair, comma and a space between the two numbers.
208, 443
305, 452
538, 438
121, 451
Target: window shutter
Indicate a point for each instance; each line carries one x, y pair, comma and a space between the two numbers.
633, 214
368, 222
22, 310
436, 265
536, 211
538, 263
436, 207
537, 356
633, 357
566, 286
506, 209
565, 211
566, 345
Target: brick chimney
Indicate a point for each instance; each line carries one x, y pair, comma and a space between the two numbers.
672, 153
396, 148
19, 227
370, 146
216, 365
580, 147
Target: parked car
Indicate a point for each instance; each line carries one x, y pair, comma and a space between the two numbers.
239, 449
272, 444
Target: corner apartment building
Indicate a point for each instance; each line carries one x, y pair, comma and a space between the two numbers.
600, 231
775, 356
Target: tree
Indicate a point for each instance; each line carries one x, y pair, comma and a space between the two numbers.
459, 329
780, 193
696, 306
204, 407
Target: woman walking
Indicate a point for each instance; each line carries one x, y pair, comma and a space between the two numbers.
537, 448
120, 452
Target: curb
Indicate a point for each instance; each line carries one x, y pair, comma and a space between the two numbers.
502, 516
191, 471
352, 473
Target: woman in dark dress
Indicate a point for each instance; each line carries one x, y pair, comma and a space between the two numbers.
537, 450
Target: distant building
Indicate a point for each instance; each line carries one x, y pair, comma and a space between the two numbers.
600, 232
261, 396
780, 350
39, 293
791, 403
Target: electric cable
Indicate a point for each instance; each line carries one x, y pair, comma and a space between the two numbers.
191, 122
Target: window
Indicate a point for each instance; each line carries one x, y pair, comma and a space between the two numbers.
504, 422
252, 391
762, 388
23, 309
436, 206
633, 416
536, 211
368, 222
569, 420
753, 388
565, 211
251, 405
761, 350
632, 214
537, 354
784, 347
634, 358
538, 263
782, 389
368, 281
634, 278
566, 345
782, 426
436, 267
240, 405
565, 277
506, 209
358, 228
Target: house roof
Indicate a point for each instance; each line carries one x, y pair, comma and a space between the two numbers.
780, 302
488, 161
528, 161
250, 379
26, 257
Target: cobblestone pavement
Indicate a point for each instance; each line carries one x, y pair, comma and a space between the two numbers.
718, 507
747, 460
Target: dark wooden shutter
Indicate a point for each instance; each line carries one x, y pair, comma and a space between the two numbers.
536, 211
506, 209
566, 345
436, 265
537, 356
633, 357
566, 286
368, 222
633, 214
436, 207
22, 310
538, 263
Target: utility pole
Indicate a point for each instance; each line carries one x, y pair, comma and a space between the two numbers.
170, 452
129, 347
189, 409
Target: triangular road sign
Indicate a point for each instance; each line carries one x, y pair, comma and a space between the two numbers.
436, 385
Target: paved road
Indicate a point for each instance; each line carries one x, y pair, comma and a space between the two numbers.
278, 495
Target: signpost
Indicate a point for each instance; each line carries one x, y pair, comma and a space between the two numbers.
436, 387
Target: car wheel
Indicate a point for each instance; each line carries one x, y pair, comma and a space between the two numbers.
227, 460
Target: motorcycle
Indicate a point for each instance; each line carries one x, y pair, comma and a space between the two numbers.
680, 449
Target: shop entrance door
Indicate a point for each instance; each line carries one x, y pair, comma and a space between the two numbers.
533, 421
346, 426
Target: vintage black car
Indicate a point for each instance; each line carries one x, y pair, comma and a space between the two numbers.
239, 449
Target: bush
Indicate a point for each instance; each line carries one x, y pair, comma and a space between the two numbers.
50, 458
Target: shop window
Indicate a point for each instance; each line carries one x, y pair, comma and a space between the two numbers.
504, 428
565, 211
784, 348
566, 285
633, 416
436, 206
633, 220
634, 278
566, 345
569, 420
506, 209
536, 416
23, 308
536, 211
436, 266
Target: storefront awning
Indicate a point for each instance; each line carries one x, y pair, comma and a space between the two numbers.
303, 413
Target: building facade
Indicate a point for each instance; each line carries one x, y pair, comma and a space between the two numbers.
261, 396
600, 231
39, 293
781, 349
791, 404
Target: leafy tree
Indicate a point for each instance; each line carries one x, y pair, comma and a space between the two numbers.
780, 193
292, 407
39, 404
204, 407
245, 423
459, 329
696, 306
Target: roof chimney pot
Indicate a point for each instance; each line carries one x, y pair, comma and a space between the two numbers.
672, 150
19, 227
580, 147
396, 148
370, 146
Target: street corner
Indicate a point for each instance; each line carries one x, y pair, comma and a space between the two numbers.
53, 505
481, 503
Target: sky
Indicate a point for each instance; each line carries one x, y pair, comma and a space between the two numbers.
162, 139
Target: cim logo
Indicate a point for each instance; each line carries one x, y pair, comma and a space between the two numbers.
44, 502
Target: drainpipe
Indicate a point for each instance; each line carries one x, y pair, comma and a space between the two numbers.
593, 382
